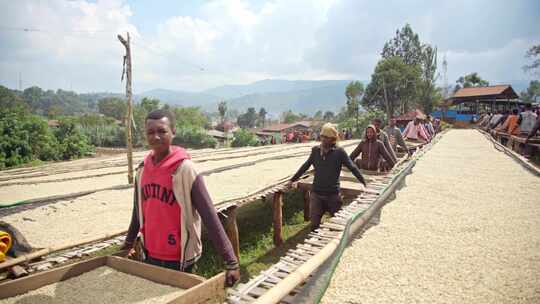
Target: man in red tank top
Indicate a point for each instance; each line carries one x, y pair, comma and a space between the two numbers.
170, 201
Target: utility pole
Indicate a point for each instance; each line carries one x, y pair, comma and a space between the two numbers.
126, 70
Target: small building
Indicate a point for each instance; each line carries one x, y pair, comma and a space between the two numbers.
280, 131
222, 137
403, 119
467, 103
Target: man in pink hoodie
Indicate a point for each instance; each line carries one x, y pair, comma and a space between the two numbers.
170, 201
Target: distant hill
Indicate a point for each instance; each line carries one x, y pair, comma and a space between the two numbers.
276, 96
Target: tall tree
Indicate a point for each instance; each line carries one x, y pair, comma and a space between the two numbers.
429, 94
353, 92
290, 117
262, 116
248, 119
222, 108
149, 104
470, 80
393, 86
532, 93
112, 107
318, 115
534, 54
406, 44
329, 116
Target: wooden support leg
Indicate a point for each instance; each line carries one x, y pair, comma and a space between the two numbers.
278, 218
306, 205
231, 228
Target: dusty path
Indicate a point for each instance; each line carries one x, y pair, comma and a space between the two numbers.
466, 229
103, 212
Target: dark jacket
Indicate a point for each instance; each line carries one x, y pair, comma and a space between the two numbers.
328, 169
372, 151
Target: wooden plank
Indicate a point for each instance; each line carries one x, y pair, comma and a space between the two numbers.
277, 205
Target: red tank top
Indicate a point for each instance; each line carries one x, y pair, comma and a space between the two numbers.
161, 211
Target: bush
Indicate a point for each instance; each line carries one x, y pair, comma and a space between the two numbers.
193, 137
72, 143
243, 138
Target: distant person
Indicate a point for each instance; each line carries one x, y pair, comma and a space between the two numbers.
395, 137
169, 202
327, 159
415, 131
383, 137
526, 120
495, 119
534, 130
373, 154
510, 125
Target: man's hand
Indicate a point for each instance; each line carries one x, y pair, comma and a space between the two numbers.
132, 253
231, 277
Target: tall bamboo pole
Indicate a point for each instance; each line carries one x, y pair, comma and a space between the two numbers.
129, 94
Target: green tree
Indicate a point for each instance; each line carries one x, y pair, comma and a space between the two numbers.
470, 80
405, 44
222, 108
428, 91
318, 115
190, 117
534, 54
393, 86
72, 143
248, 119
532, 92
353, 92
329, 116
150, 104
113, 107
262, 117
290, 117
243, 138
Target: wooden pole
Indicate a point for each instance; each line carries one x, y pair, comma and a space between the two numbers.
129, 94
278, 218
231, 229
307, 208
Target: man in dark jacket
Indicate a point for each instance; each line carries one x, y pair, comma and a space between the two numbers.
327, 159
373, 151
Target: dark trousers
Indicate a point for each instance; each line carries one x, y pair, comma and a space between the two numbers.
174, 265
321, 203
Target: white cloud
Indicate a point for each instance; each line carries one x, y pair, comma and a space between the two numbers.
232, 41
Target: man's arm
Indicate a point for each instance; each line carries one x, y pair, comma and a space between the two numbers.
304, 167
400, 141
389, 147
346, 160
203, 204
386, 155
356, 152
535, 129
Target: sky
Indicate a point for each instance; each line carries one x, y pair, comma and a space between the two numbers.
199, 44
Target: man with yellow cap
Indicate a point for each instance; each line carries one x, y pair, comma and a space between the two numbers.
327, 159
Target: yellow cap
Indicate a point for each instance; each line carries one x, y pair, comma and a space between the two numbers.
329, 130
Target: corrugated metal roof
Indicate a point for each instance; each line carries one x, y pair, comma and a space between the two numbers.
482, 91
410, 115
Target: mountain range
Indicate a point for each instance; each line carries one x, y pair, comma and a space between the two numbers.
276, 96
